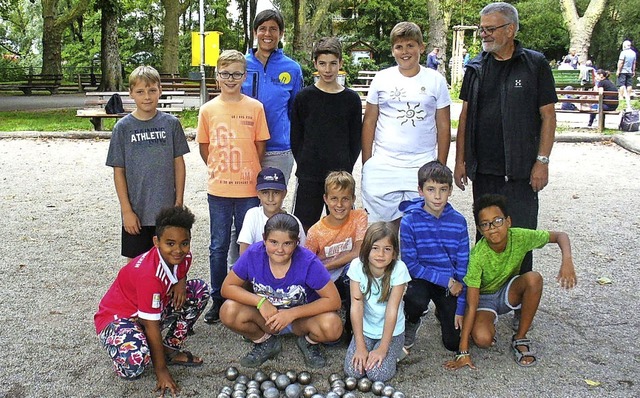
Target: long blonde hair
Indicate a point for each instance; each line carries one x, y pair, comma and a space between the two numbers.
379, 230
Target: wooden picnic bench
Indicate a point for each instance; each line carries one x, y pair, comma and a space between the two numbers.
171, 102
88, 80
573, 78
171, 82
50, 83
583, 100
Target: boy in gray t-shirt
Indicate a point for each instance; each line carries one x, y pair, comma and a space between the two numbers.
146, 152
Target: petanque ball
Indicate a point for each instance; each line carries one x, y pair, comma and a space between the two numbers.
253, 384
364, 385
260, 376
239, 387
309, 391
242, 379
332, 394
333, 377
350, 383
338, 383
317, 396
388, 391
266, 385
254, 395
282, 381
304, 377
339, 390
253, 390
349, 394
239, 394
223, 395
273, 376
271, 392
293, 391
226, 390
377, 387
398, 394
292, 375
231, 374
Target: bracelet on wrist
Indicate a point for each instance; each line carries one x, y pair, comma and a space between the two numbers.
461, 354
262, 300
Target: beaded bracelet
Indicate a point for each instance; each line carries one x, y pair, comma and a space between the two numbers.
461, 354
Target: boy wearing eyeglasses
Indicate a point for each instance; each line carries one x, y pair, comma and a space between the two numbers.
232, 132
494, 286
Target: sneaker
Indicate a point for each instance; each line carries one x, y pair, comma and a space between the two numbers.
260, 352
410, 331
403, 354
311, 352
213, 315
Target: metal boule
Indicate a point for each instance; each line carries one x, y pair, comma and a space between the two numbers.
239, 394
388, 391
333, 377
309, 391
293, 391
304, 377
350, 383
271, 392
232, 373
398, 394
332, 394
266, 385
317, 396
253, 390
364, 385
223, 395
349, 394
226, 390
282, 381
260, 376
273, 376
338, 383
377, 388
242, 379
292, 375
339, 390
254, 395
240, 387
253, 384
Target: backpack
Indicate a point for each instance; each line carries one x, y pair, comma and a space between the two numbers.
114, 105
630, 121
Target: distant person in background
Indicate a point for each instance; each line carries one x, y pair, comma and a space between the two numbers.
569, 106
626, 71
604, 84
586, 72
566, 64
433, 61
574, 60
465, 57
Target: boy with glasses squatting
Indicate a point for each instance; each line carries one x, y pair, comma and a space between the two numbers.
494, 286
232, 132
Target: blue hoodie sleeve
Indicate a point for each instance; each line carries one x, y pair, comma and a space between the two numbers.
460, 266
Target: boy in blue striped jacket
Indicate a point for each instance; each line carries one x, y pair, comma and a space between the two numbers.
435, 247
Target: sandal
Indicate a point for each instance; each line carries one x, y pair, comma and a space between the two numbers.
520, 355
171, 359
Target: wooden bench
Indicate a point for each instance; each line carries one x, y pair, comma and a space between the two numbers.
88, 80
573, 78
189, 86
50, 83
365, 77
171, 102
585, 99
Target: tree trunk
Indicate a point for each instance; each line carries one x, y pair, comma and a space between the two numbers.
298, 20
53, 25
109, 49
170, 40
439, 21
581, 28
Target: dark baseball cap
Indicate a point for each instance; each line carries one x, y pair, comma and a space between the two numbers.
271, 178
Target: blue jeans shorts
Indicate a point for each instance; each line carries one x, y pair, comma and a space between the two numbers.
498, 302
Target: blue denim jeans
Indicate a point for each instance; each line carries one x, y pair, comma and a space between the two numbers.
223, 212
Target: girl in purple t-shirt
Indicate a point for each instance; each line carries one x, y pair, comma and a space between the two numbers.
291, 292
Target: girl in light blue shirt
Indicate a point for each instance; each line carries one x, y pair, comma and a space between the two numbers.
378, 282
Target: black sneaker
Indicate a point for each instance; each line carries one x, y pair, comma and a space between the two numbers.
268, 349
213, 315
410, 331
311, 353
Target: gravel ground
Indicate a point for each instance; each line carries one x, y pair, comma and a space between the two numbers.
63, 224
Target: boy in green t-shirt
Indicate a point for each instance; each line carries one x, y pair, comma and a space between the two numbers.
494, 286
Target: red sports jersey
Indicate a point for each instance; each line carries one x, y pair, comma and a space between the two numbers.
140, 289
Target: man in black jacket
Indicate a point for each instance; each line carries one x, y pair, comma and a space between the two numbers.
507, 124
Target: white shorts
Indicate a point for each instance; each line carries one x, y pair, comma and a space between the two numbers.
385, 186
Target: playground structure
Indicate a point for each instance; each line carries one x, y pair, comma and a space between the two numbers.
456, 66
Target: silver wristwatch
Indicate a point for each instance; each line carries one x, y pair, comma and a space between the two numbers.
543, 159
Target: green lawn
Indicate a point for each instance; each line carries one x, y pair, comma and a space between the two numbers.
66, 120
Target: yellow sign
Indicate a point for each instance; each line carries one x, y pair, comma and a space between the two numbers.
211, 48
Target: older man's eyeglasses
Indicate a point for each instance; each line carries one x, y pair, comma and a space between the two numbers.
497, 222
235, 75
489, 31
